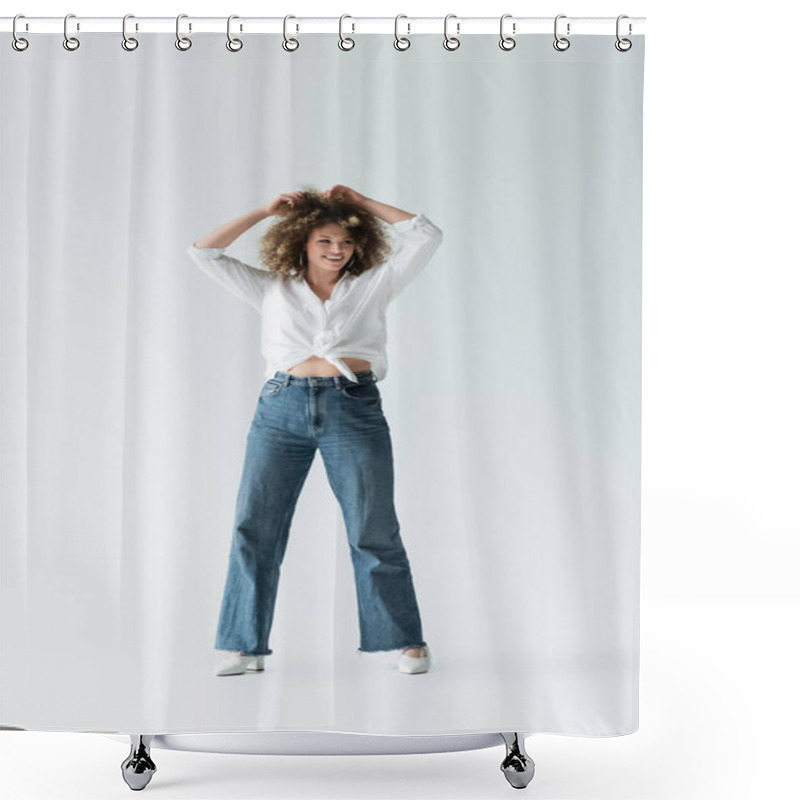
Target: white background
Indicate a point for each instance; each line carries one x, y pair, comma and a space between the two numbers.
720, 476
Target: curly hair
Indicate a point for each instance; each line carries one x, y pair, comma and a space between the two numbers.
283, 243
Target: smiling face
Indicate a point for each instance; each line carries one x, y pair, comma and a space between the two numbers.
329, 248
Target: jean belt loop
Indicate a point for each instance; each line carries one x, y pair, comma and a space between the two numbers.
337, 381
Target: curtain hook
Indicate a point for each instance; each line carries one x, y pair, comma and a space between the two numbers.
234, 45
350, 42
451, 42
560, 40
507, 42
623, 45
70, 42
182, 42
18, 43
290, 45
401, 43
128, 42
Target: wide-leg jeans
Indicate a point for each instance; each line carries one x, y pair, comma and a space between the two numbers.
344, 419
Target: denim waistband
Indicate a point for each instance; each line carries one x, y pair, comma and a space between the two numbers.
367, 376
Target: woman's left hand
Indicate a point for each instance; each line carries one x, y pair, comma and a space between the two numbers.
345, 193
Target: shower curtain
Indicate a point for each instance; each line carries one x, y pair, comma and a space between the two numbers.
510, 389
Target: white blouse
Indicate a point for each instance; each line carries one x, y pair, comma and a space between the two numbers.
351, 323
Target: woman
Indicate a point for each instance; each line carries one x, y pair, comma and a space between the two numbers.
329, 274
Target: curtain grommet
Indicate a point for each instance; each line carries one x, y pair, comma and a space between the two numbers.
622, 44
345, 42
183, 43
128, 43
400, 42
507, 42
451, 42
18, 42
233, 44
70, 42
289, 44
561, 43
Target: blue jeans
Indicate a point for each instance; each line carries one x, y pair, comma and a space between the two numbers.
345, 420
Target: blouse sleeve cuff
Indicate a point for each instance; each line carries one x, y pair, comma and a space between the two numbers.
406, 224
210, 252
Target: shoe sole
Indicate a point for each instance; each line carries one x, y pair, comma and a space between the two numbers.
412, 669
246, 669
251, 667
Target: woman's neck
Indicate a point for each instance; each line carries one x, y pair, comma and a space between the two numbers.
321, 282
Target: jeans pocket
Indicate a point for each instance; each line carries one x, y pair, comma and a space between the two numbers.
367, 393
272, 387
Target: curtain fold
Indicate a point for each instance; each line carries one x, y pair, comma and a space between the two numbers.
513, 393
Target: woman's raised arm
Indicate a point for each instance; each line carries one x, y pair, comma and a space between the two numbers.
226, 233
383, 211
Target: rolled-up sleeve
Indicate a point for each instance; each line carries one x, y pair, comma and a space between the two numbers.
417, 240
246, 282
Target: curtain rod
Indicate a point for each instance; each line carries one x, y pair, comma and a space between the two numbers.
458, 26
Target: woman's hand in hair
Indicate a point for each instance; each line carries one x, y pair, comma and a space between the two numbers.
282, 203
345, 193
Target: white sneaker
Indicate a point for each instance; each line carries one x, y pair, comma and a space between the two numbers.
414, 664
239, 663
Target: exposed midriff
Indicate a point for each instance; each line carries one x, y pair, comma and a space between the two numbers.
317, 367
